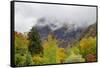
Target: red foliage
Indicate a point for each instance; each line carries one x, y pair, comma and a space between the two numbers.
90, 58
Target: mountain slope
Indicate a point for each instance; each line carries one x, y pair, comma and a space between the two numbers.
89, 31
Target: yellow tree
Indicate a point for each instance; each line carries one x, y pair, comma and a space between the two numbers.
61, 55
88, 48
50, 46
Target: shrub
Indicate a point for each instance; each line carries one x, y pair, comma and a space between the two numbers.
74, 58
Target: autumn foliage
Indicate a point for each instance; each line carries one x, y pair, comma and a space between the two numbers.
31, 50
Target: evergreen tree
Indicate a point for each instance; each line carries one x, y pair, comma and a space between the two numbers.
35, 46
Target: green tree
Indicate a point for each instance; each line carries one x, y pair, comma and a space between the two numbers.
74, 55
50, 49
35, 46
21, 50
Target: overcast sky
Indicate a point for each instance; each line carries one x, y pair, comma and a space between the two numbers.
27, 14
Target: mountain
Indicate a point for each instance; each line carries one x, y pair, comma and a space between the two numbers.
43, 31
66, 34
89, 31
52, 23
